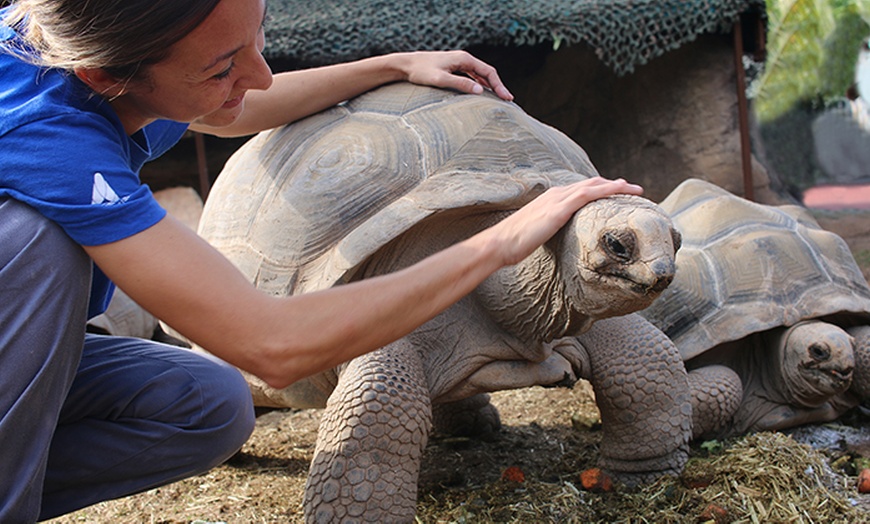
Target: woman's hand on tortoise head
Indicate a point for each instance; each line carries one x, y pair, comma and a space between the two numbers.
522, 232
441, 68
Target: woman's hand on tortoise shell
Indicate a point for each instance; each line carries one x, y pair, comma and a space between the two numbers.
452, 69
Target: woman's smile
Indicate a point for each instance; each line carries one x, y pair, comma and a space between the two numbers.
233, 102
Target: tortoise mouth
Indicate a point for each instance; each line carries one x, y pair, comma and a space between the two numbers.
646, 287
843, 376
627, 295
838, 378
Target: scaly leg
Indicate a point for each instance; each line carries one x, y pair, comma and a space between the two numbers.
371, 439
716, 395
861, 376
643, 395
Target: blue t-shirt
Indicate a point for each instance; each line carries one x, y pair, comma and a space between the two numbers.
64, 152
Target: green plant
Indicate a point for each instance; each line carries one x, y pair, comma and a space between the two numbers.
813, 47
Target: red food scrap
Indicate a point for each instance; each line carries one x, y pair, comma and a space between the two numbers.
513, 474
864, 481
593, 479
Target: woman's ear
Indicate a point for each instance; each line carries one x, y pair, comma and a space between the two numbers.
101, 81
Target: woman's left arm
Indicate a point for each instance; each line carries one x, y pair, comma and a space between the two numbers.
297, 94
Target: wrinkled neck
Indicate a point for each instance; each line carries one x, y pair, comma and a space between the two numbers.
529, 301
760, 370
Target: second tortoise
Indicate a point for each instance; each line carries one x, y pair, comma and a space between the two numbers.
770, 312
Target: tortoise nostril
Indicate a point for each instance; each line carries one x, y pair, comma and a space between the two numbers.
665, 271
665, 268
661, 283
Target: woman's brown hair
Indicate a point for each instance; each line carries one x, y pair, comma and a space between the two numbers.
119, 36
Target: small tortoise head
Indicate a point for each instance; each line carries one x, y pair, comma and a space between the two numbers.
817, 360
617, 255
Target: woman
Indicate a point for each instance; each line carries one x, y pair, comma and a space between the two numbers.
89, 92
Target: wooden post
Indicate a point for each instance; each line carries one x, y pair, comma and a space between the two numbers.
743, 113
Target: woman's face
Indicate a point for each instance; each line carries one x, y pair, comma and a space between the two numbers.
207, 73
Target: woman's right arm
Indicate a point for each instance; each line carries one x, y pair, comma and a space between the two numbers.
181, 279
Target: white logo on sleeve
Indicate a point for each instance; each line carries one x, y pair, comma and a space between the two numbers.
103, 192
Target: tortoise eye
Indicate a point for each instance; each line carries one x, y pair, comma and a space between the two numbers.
620, 248
819, 352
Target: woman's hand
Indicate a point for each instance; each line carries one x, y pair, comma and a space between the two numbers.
440, 68
522, 232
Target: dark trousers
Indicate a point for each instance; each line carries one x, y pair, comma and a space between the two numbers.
86, 418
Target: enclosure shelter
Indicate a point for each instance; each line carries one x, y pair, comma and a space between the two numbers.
652, 89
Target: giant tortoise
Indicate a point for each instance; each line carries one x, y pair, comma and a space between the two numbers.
385, 179
768, 310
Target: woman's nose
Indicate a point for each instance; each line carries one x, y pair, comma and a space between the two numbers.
257, 74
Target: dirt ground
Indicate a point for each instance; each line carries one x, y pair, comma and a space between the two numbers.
464, 481
549, 437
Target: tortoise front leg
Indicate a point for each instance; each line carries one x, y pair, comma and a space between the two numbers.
717, 392
370, 441
861, 375
642, 392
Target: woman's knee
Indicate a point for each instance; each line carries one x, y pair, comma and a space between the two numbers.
231, 408
192, 397
224, 409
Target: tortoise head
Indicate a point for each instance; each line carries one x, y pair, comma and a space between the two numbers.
617, 255
614, 257
817, 361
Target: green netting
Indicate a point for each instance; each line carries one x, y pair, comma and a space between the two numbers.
623, 33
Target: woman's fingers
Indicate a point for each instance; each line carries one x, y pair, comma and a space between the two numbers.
540, 219
440, 68
487, 76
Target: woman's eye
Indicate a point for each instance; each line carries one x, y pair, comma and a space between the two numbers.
225, 73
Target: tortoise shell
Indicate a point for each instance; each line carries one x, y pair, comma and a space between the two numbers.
299, 207
744, 268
